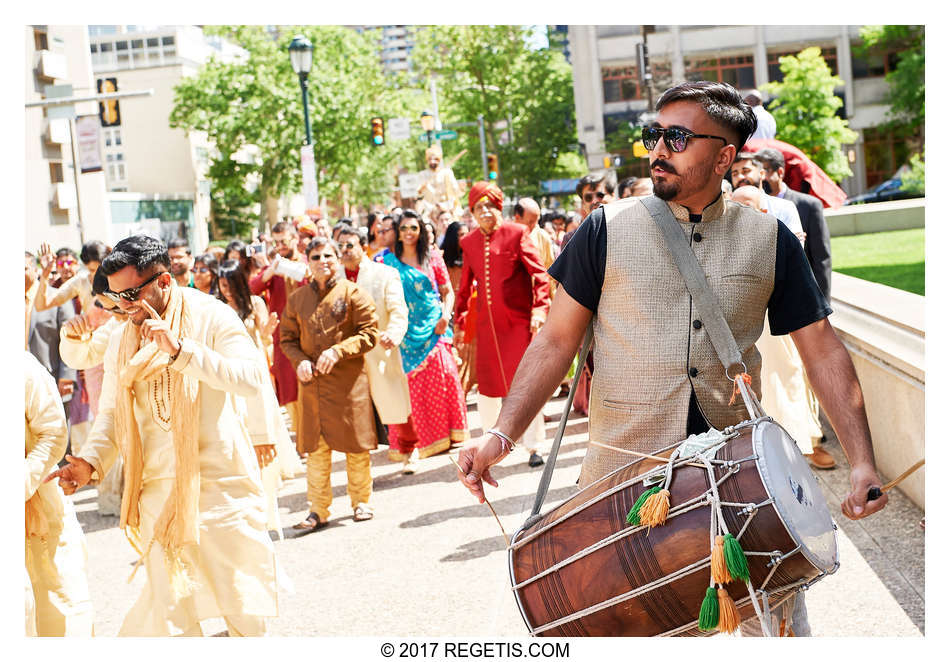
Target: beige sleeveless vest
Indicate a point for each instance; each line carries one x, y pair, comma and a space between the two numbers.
648, 351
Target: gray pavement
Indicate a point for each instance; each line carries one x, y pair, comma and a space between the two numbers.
432, 562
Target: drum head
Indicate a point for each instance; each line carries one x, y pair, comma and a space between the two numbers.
798, 498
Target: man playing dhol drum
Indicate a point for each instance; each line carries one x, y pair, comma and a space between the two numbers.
655, 363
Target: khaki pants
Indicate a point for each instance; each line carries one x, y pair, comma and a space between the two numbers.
534, 436
293, 410
359, 480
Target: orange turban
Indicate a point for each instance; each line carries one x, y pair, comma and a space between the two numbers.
488, 190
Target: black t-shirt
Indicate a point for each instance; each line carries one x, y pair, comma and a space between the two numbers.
795, 302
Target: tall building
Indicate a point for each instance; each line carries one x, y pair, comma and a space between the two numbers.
608, 90
57, 198
156, 174
395, 45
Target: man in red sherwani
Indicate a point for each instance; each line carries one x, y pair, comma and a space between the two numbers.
513, 302
279, 288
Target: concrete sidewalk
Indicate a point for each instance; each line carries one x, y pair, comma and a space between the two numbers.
433, 563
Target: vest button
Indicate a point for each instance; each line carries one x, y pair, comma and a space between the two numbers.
697, 324
693, 372
697, 236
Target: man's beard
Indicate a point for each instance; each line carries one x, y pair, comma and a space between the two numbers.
670, 190
179, 269
434, 166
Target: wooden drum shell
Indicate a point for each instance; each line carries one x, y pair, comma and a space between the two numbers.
649, 554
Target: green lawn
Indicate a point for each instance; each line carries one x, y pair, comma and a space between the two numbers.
890, 258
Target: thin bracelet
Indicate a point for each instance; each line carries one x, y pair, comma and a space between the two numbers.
506, 441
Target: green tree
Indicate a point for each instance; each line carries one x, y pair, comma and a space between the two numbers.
253, 107
906, 81
490, 70
804, 108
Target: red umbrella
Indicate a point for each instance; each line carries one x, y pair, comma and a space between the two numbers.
800, 169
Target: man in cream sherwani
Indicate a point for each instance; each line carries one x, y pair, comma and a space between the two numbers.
388, 385
55, 545
172, 404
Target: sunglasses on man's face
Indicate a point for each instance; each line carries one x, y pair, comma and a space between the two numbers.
589, 197
66, 263
676, 138
350, 246
131, 294
111, 309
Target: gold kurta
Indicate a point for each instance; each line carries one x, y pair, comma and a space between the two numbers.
56, 561
233, 564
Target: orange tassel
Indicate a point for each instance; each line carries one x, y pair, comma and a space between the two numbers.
655, 509
720, 572
728, 614
736, 393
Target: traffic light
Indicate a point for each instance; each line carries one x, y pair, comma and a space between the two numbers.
378, 132
108, 109
493, 167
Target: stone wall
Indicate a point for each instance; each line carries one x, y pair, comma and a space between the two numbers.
876, 217
883, 329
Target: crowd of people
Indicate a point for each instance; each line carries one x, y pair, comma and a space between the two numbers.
186, 387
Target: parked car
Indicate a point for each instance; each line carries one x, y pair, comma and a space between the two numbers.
887, 190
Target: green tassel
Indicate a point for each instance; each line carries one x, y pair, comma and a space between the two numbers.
633, 517
709, 611
735, 558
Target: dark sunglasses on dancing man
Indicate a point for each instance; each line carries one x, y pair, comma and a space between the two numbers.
131, 294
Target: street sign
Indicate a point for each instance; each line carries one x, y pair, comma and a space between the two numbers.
398, 128
446, 135
409, 184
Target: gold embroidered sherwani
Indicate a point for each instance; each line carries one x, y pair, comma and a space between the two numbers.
233, 563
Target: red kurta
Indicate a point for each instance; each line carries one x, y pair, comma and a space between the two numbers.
512, 284
284, 374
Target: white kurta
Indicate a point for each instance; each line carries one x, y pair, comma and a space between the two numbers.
388, 384
85, 354
233, 563
57, 566
785, 393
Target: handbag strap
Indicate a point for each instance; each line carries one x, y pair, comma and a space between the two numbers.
705, 301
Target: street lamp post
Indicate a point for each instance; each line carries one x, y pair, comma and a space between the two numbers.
428, 124
301, 59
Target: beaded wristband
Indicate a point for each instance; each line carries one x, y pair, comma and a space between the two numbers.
506, 441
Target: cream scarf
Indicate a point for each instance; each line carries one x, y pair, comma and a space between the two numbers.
177, 525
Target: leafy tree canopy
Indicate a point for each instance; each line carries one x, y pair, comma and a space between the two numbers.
491, 70
805, 109
906, 80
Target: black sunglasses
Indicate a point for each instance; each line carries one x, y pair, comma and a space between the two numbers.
115, 309
675, 138
588, 197
131, 294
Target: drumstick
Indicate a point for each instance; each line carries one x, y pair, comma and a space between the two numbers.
507, 542
875, 492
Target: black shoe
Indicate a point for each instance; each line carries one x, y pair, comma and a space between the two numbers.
535, 460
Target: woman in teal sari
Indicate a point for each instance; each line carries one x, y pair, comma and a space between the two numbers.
438, 404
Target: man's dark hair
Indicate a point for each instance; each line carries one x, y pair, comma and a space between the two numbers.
99, 282
63, 252
627, 183
345, 221
721, 102
283, 226
747, 156
451, 251
93, 251
422, 245
180, 242
348, 231
771, 159
139, 251
319, 241
594, 179
518, 209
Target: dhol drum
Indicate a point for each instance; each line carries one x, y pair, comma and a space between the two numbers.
583, 569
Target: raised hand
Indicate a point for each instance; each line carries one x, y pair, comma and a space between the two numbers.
158, 330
